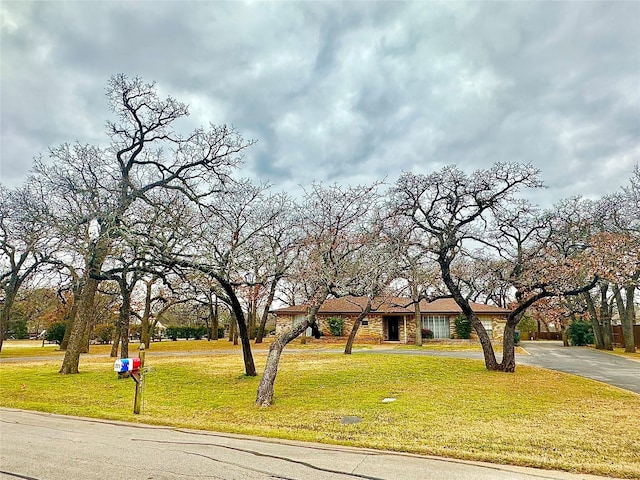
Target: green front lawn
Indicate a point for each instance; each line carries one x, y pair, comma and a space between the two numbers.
449, 407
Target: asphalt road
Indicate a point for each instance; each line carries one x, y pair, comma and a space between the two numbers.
39, 446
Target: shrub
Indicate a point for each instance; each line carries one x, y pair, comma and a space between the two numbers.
198, 332
580, 333
462, 327
427, 333
103, 333
186, 332
172, 333
336, 326
17, 329
55, 332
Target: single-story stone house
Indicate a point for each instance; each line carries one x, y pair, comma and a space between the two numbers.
393, 319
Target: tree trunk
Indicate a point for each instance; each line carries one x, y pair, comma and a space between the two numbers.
565, 333
630, 317
10, 293
508, 363
5, 312
418, 320
627, 316
490, 361
595, 324
145, 327
232, 327
76, 339
116, 341
86, 335
265, 312
71, 317
215, 322
605, 318
123, 320
253, 314
356, 326
249, 366
264, 397
85, 308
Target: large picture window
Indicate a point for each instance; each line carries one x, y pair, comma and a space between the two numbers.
438, 324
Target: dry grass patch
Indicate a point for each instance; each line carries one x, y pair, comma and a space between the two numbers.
455, 346
443, 406
620, 352
34, 348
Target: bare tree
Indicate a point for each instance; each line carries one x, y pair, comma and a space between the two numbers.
24, 244
145, 154
535, 261
275, 259
449, 209
220, 240
334, 226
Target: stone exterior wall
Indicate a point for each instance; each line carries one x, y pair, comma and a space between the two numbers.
377, 328
373, 329
497, 327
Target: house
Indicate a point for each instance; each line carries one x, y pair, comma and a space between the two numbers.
392, 318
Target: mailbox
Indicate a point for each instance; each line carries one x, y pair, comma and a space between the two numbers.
127, 365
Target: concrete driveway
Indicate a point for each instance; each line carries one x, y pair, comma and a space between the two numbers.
586, 362
40, 446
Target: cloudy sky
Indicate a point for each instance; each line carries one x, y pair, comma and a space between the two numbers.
343, 92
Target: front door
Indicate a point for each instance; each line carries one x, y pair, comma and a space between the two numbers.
394, 331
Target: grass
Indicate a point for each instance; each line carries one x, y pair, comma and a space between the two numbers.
455, 347
34, 348
449, 407
620, 352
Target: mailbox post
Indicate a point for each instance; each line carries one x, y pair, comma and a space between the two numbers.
134, 367
137, 376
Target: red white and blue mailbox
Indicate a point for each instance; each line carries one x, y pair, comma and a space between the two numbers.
127, 365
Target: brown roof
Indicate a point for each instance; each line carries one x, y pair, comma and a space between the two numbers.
390, 305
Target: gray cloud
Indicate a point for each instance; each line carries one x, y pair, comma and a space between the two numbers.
347, 92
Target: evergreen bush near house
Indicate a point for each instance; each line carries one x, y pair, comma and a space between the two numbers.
462, 327
336, 326
580, 333
55, 332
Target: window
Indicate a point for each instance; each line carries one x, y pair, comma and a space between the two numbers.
488, 326
365, 321
438, 324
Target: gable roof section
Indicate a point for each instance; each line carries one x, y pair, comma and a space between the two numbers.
391, 306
